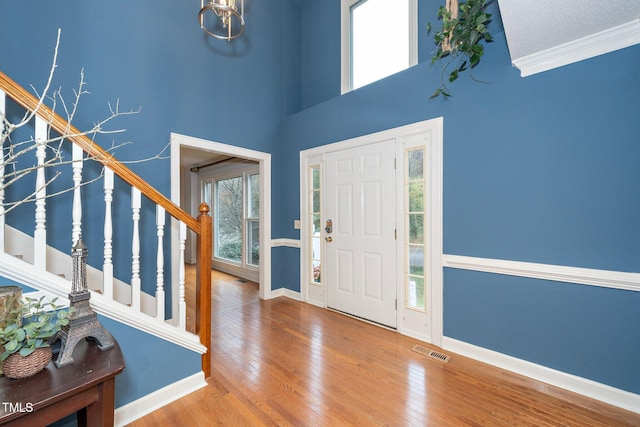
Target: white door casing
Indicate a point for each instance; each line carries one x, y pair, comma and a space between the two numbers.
360, 251
428, 134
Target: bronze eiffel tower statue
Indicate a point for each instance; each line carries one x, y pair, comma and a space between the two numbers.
83, 321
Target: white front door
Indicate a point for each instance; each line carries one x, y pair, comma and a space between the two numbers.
360, 263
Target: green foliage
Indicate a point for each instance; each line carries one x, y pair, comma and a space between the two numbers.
230, 250
31, 325
458, 41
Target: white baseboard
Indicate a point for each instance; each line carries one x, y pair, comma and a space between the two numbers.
613, 396
284, 292
132, 411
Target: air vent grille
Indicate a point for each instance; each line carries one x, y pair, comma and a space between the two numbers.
431, 353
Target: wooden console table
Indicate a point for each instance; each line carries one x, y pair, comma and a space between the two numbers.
85, 387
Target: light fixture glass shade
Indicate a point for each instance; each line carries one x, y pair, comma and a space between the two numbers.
225, 21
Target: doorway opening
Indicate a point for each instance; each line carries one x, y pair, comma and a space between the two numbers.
187, 151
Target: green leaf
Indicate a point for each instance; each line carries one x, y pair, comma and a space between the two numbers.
11, 345
24, 352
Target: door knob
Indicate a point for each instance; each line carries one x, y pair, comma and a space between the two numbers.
329, 239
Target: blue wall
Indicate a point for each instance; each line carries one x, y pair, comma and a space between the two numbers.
152, 363
541, 169
152, 56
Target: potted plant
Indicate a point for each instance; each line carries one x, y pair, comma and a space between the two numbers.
27, 336
458, 41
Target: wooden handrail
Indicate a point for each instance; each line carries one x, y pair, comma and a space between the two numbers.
60, 125
202, 226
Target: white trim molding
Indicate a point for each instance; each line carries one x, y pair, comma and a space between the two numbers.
290, 243
284, 292
615, 38
264, 159
137, 409
583, 386
558, 273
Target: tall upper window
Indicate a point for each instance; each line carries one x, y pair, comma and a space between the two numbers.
378, 39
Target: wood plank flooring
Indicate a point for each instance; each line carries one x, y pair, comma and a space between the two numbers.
285, 363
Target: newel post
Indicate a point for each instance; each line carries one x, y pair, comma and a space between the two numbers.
203, 286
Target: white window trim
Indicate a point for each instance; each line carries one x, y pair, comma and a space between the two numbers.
345, 40
243, 268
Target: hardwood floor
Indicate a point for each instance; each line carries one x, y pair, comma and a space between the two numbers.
282, 362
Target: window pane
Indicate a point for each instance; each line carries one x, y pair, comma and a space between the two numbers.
315, 248
229, 219
416, 196
253, 242
254, 196
415, 293
416, 260
316, 225
415, 160
316, 277
416, 228
379, 40
316, 201
315, 173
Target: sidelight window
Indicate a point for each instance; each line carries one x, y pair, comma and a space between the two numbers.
415, 241
315, 223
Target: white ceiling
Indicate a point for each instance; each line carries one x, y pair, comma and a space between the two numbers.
193, 157
545, 34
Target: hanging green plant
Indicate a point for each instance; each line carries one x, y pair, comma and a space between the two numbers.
464, 27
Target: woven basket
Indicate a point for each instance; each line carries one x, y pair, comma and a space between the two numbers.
18, 367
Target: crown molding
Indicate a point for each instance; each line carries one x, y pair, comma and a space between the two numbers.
615, 38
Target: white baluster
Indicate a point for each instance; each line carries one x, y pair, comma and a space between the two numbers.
107, 267
40, 233
182, 305
76, 218
160, 221
135, 249
2, 160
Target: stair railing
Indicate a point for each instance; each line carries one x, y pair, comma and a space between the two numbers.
47, 118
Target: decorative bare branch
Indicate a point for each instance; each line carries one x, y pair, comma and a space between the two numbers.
12, 151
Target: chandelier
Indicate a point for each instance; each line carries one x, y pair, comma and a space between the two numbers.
224, 21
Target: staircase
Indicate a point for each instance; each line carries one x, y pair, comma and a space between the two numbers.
27, 259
